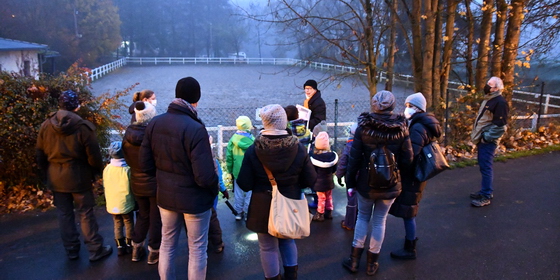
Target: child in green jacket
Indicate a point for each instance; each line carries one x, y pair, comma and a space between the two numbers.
236, 148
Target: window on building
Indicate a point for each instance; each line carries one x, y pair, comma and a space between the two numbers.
27, 68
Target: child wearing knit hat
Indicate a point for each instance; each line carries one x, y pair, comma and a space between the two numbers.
119, 200
298, 126
325, 162
237, 145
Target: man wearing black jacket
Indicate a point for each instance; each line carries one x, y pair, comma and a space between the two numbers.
177, 152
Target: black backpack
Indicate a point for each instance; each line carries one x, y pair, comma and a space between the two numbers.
383, 172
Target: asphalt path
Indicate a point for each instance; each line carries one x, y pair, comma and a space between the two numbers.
516, 237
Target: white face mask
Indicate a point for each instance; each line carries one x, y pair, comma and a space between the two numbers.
408, 112
154, 102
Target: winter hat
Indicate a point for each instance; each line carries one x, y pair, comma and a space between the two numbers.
383, 101
188, 89
311, 83
291, 112
115, 150
322, 141
274, 117
417, 100
322, 126
68, 100
145, 111
243, 123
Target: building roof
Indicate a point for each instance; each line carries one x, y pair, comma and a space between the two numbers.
14, 45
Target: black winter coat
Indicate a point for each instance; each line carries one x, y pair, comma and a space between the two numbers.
373, 130
325, 166
142, 183
289, 163
68, 153
177, 151
318, 110
423, 128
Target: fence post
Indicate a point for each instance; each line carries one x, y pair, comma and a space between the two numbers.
547, 102
445, 136
534, 122
540, 108
335, 124
219, 142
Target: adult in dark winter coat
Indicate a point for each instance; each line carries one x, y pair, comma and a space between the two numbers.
144, 187
290, 165
69, 158
380, 128
315, 103
176, 150
423, 128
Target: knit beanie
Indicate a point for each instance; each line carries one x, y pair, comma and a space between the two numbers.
145, 111
383, 101
322, 141
243, 123
291, 112
188, 89
417, 100
274, 117
68, 101
115, 150
322, 126
311, 83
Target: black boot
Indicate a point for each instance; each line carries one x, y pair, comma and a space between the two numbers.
408, 252
277, 277
128, 245
328, 214
353, 262
121, 247
372, 264
290, 272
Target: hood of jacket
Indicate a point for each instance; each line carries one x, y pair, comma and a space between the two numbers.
324, 160
387, 127
135, 134
277, 153
66, 122
429, 121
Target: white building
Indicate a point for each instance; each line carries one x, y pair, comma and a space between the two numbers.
21, 57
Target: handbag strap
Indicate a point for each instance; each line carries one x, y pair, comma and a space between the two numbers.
270, 177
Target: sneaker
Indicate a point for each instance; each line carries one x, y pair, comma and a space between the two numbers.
239, 217
482, 201
138, 251
73, 255
219, 248
101, 253
319, 217
478, 195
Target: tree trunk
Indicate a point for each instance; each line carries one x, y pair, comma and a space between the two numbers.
511, 45
428, 60
498, 44
447, 48
392, 47
371, 66
470, 43
436, 97
484, 44
417, 45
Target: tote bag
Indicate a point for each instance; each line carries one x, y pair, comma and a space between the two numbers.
288, 218
430, 162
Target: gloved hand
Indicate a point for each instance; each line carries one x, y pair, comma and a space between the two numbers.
351, 192
340, 181
225, 194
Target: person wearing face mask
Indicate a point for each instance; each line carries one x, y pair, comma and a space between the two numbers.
489, 126
145, 95
423, 128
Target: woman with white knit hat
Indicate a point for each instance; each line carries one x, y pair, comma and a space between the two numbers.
289, 163
423, 128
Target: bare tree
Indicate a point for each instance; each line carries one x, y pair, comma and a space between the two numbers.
481, 74
511, 44
498, 44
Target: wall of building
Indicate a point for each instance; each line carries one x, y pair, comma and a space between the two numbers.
15, 61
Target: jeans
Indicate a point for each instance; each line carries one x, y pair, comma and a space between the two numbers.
270, 247
126, 221
380, 208
148, 222
242, 199
197, 237
83, 204
485, 161
324, 201
410, 228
